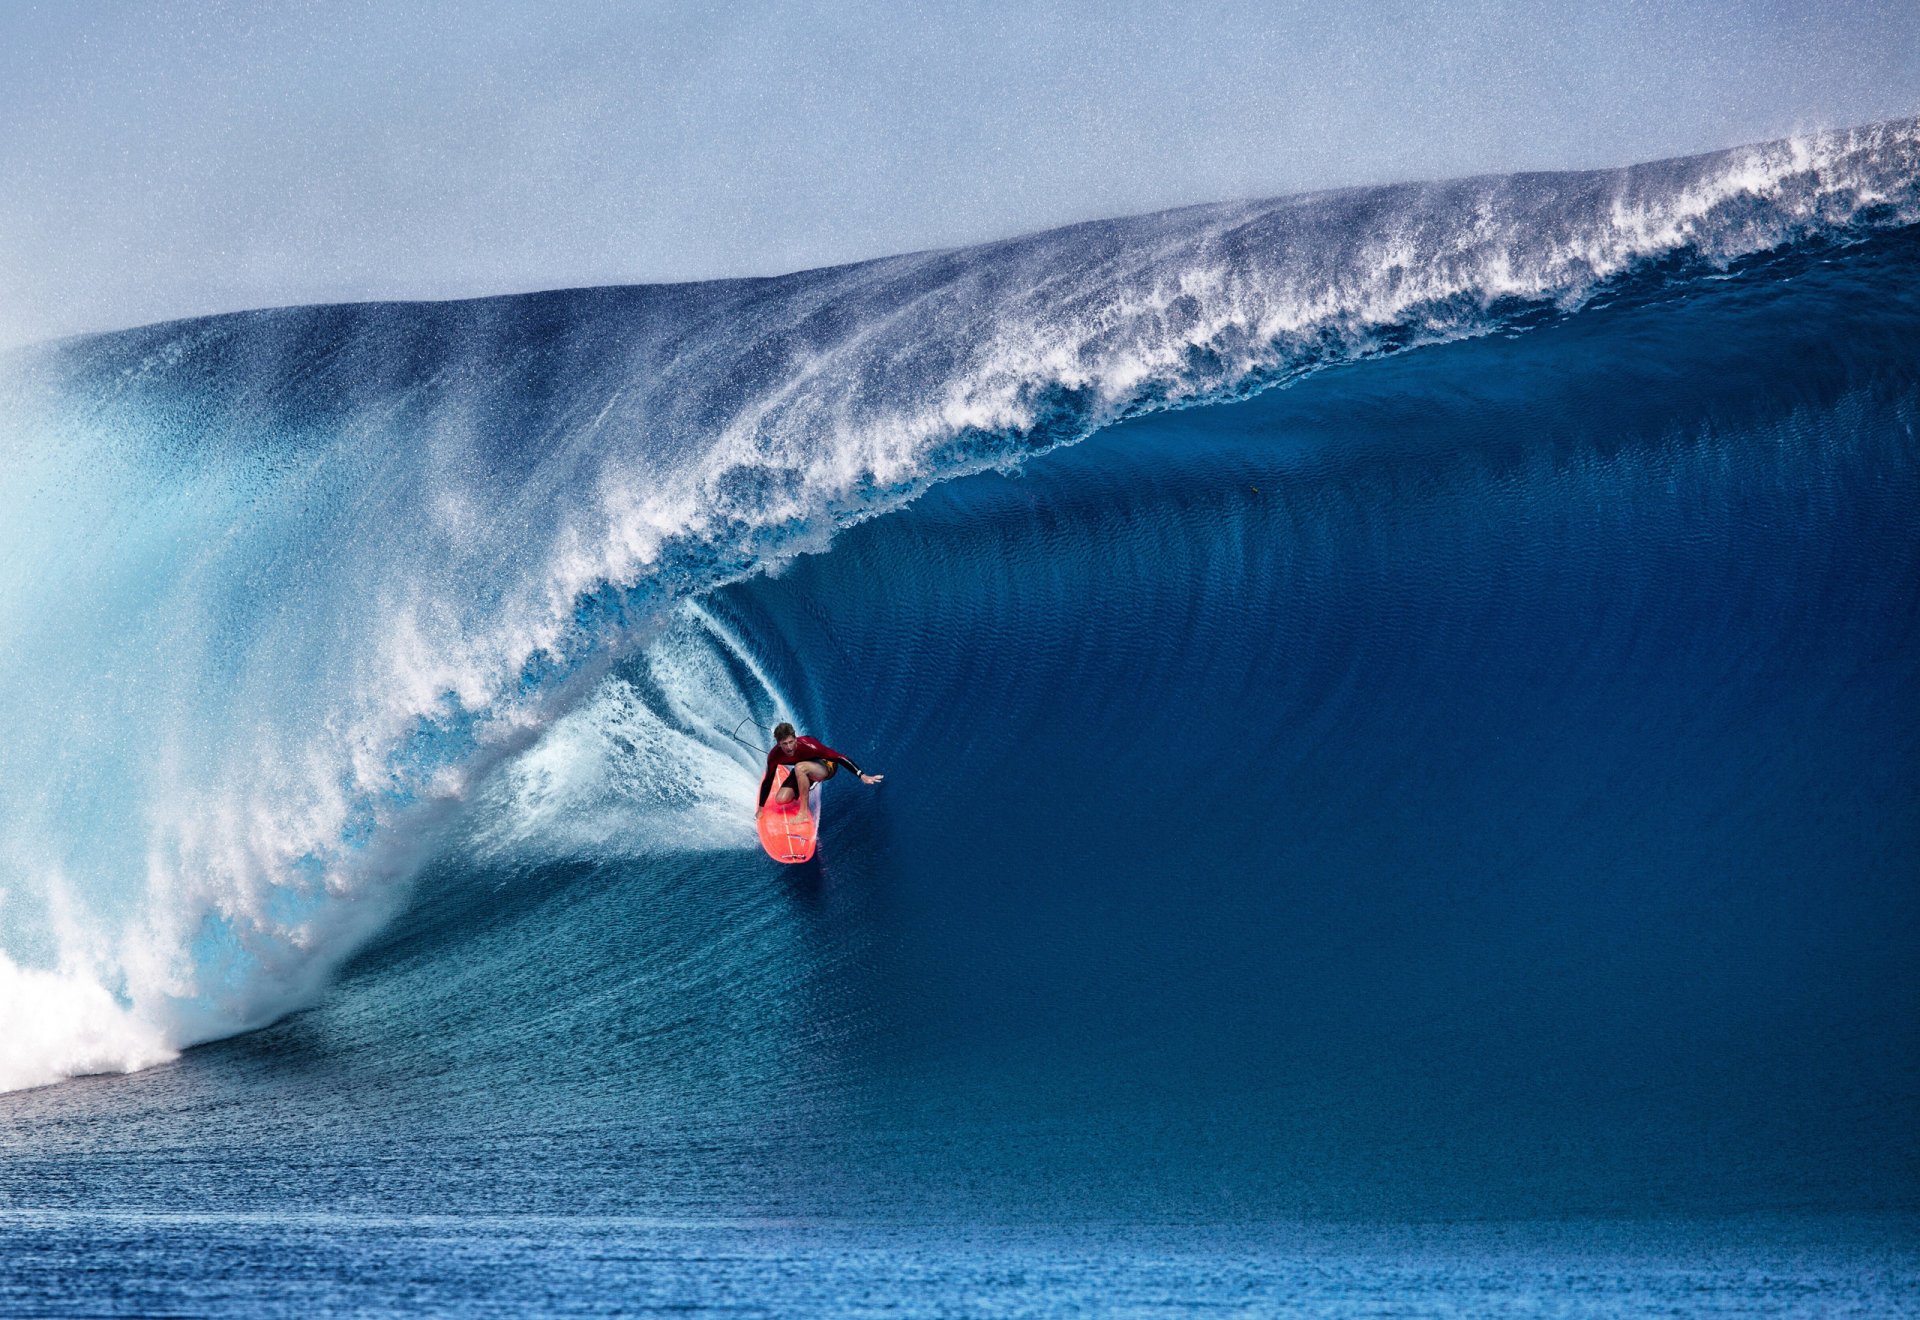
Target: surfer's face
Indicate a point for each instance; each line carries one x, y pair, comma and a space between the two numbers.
787, 744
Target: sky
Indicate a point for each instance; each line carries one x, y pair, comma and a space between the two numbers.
180, 157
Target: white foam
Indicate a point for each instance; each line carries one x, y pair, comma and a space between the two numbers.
66, 1024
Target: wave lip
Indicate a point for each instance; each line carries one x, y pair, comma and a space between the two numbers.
348, 559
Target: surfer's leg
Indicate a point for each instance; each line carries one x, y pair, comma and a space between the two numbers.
805, 776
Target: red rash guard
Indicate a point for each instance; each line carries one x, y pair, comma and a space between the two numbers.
804, 749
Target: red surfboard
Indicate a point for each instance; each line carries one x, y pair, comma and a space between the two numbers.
785, 836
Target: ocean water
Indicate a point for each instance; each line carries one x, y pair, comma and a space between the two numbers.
1401, 715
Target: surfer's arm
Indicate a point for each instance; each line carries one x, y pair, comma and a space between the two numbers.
865, 778
819, 751
827, 754
766, 782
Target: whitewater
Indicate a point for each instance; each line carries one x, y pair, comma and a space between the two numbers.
290, 594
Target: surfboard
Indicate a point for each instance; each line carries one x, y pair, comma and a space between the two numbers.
783, 834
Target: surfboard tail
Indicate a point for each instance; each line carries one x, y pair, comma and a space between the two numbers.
786, 835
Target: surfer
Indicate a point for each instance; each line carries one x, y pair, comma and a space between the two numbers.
813, 763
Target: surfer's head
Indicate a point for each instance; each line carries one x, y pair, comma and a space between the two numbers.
784, 734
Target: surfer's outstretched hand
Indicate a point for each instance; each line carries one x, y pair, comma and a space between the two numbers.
871, 779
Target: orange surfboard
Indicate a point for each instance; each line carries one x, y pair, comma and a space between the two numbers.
785, 836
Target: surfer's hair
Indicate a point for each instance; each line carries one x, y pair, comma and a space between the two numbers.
782, 731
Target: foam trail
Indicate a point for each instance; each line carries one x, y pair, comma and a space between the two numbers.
283, 588
643, 765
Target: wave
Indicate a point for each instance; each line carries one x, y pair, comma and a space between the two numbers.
294, 592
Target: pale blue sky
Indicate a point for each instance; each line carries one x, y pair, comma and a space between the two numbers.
169, 159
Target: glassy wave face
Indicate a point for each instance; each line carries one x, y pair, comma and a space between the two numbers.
1445, 740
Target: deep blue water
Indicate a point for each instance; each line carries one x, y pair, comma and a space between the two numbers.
1438, 837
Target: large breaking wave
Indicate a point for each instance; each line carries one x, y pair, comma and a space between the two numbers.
295, 598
